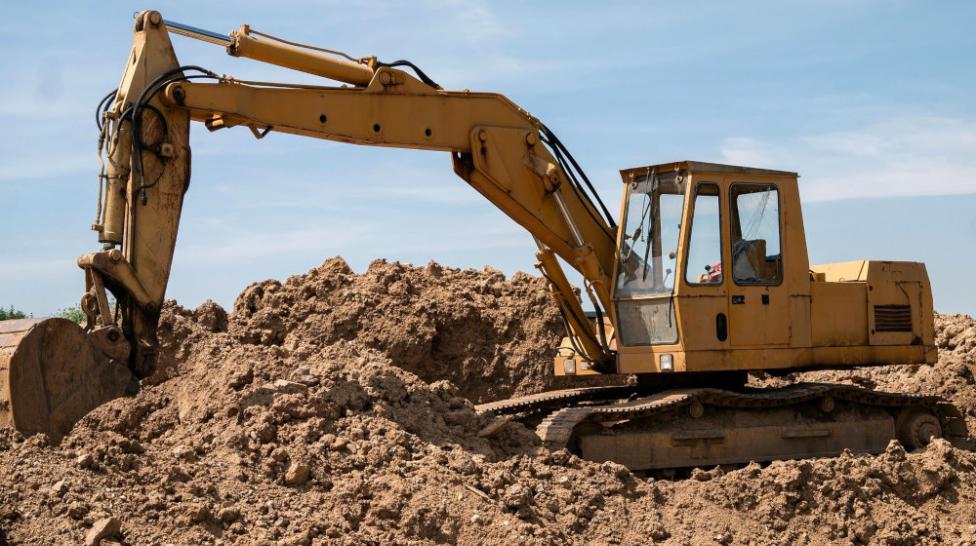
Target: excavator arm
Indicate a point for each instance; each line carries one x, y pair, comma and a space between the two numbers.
52, 372
498, 148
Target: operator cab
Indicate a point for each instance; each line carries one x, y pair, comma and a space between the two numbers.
708, 254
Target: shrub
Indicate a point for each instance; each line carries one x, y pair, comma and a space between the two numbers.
74, 314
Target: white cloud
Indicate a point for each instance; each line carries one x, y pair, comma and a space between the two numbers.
746, 151
472, 20
25, 270
38, 165
249, 245
909, 155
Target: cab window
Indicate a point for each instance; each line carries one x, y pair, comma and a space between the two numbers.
756, 254
649, 242
705, 242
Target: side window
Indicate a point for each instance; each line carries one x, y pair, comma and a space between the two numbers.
756, 254
704, 264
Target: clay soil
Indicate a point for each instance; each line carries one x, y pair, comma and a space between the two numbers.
338, 408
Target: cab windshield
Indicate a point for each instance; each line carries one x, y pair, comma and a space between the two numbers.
649, 244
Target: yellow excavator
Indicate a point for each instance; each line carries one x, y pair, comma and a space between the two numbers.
705, 279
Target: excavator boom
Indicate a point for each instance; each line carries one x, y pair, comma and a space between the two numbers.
495, 146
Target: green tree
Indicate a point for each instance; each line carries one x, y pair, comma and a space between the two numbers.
11, 313
74, 314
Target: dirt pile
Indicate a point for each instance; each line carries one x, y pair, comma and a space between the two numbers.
492, 337
308, 416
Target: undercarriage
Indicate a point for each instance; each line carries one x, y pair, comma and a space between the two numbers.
646, 428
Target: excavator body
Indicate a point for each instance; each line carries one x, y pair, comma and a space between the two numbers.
713, 281
705, 278
713, 276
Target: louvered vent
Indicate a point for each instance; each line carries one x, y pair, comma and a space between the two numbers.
893, 318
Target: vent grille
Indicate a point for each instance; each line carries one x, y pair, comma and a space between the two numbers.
893, 318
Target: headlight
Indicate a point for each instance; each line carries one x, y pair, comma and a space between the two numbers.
667, 363
569, 365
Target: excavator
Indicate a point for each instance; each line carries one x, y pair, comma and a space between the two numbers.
705, 279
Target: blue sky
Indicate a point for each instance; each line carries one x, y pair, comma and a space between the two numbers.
871, 101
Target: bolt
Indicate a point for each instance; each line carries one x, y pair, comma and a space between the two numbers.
531, 139
179, 94
155, 18
483, 135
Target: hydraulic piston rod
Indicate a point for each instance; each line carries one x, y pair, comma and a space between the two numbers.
198, 33
242, 43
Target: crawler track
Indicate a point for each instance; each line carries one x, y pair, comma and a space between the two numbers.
797, 420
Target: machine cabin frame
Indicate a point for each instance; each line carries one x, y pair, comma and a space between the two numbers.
821, 316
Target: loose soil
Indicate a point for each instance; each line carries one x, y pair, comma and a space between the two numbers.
338, 408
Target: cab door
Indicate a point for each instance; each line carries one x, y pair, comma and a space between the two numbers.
759, 303
704, 296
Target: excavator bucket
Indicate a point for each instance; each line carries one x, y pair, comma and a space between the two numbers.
51, 376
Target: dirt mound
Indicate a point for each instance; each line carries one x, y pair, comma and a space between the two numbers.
493, 337
307, 416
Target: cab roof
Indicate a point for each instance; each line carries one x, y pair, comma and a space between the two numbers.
699, 166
